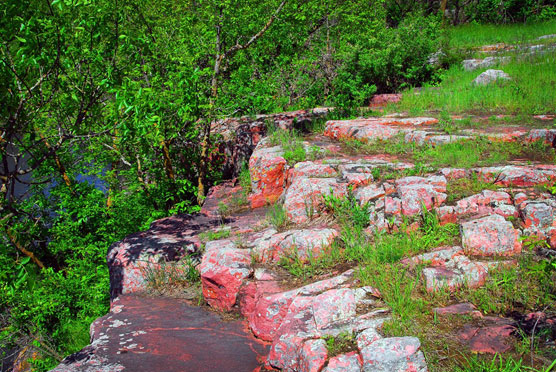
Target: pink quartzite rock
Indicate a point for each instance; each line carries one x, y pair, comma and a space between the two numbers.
490, 236
453, 173
418, 191
271, 309
304, 244
459, 309
367, 337
307, 317
311, 169
295, 328
486, 203
546, 135
522, 176
368, 193
344, 363
313, 355
455, 273
380, 100
392, 206
438, 257
399, 354
159, 333
223, 269
356, 174
167, 240
493, 338
333, 306
304, 197
268, 175
538, 215
374, 128
251, 293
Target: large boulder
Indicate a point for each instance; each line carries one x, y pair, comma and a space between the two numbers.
223, 269
400, 354
268, 170
490, 76
304, 198
490, 236
416, 192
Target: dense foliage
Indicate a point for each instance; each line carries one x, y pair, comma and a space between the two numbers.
105, 121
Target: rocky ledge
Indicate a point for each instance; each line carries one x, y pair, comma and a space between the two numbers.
240, 275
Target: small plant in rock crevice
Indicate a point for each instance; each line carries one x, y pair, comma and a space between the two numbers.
277, 216
347, 210
172, 276
209, 235
291, 143
343, 343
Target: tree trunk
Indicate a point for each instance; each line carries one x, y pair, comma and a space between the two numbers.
211, 115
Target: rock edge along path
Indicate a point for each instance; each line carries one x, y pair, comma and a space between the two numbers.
237, 273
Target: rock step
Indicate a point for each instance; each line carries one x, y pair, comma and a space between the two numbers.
164, 334
421, 130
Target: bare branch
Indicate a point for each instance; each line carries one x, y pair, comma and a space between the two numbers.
255, 37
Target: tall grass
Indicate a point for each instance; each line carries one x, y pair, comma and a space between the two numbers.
531, 90
473, 35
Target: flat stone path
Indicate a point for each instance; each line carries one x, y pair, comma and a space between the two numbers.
166, 334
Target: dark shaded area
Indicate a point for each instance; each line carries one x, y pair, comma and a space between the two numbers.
166, 334
169, 239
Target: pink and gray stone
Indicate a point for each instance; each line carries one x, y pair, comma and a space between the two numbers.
459, 309
165, 334
394, 354
271, 307
311, 169
490, 236
268, 170
515, 175
537, 214
223, 269
494, 337
313, 356
303, 244
455, 273
416, 192
349, 362
374, 128
438, 257
304, 197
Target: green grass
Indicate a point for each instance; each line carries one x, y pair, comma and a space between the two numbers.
291, 142
463, 187
475, 35
475, 152
209, 235
529, 287
347, 210
497, 364
171, 276
244, 178
277, 216
343, 343
532, 90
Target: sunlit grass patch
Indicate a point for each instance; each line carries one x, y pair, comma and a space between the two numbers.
531, 90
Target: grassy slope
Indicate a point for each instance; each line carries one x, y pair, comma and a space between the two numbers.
532, 89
